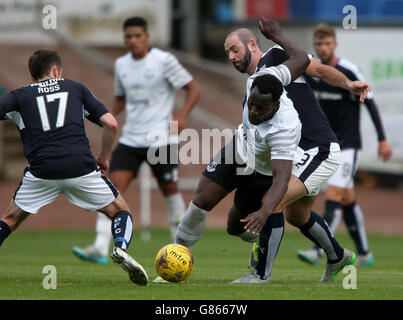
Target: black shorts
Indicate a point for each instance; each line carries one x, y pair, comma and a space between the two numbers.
130, 158
250, 189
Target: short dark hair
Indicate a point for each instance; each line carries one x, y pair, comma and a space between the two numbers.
41, 61
268, 83
136, 22
323, 30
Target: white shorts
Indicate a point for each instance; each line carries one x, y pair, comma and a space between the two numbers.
316, 166
90, 192
344, 176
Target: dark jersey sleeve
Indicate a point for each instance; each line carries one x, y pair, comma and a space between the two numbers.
376, 119
7, 104
372, 108
278, 56
93, 106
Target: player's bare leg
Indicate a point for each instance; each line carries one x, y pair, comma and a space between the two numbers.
122, 230
191, 228
175, 204
10, 221
98, 251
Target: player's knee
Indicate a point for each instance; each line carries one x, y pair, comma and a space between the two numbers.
119, 204
169, 188
234, 229
348, 197
234, 226
14, 216
334, 193
202, 201
294, 219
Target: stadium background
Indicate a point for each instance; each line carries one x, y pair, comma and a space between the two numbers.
88, 36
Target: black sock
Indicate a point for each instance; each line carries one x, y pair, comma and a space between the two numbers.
332, 217
332, 214
4, 231
355, 224
269, 243
122, 229
317, 230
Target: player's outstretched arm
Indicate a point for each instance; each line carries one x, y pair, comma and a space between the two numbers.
281, 175
335, 78
298, 59
110, 130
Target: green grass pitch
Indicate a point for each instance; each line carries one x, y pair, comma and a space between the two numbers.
219, 259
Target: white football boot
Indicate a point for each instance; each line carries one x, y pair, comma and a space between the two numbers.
251, 277
137, 274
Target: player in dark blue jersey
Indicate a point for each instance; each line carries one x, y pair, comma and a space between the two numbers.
50, 117
343, 111
318, 155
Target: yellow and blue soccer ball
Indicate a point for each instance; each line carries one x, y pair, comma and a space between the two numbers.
174, 262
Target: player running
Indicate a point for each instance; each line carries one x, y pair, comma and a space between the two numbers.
343, 111
146, 81
270, 133
49, 115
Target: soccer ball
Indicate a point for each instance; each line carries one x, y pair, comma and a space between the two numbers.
174, 262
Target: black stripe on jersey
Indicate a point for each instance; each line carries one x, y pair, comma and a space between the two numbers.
354, 164
244, 101
111, 186
273, 57
321, 156
25, 171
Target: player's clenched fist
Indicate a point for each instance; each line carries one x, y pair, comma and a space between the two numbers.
269, 28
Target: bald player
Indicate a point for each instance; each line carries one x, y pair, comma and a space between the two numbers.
265, 223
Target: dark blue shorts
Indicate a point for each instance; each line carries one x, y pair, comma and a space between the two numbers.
130, 159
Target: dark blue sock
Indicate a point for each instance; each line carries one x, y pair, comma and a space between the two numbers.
330, 211
122, 229
317, 230
4, 231
355, 224
269, 243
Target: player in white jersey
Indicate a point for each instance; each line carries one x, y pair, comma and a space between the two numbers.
244, 52
266, 144
146, 81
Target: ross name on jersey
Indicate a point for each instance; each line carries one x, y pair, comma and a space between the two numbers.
48, 86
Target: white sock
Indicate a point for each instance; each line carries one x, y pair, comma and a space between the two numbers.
176, 211
191, 228
103, 234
